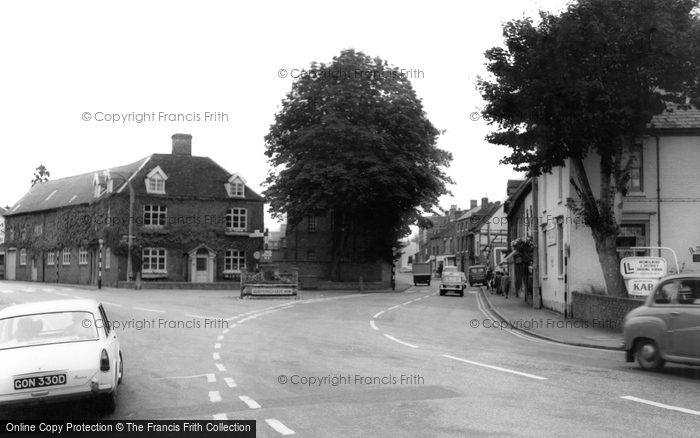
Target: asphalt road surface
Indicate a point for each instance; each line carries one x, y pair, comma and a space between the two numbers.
408, 364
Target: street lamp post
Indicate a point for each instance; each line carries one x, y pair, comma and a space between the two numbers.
99, 274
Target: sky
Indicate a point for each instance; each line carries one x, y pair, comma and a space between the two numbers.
77, 77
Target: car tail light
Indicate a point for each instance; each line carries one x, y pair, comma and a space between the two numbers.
104, 361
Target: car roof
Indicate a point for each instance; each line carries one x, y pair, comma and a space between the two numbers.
49, 306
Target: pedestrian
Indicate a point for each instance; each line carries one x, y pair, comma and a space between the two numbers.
499, 285
506, 284
489, 280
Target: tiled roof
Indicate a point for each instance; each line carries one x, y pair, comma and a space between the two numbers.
188, 177
62, 192
674, 118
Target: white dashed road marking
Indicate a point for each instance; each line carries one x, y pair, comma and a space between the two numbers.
111, 304
392, 308
660, 405
221, 367
531, 376
377, 315
217, 346
371, 323
279, 427
220, 417
230, 382
217, 356
148, 310
401, 342
252, 404
409, 302
214, 396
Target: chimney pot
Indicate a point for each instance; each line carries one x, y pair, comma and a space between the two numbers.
484, 201
473, 204
182, 144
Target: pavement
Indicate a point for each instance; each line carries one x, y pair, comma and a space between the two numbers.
550, 325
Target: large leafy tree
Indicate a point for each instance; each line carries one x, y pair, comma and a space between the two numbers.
352, 139
587, 82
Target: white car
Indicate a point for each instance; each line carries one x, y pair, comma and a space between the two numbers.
60, 350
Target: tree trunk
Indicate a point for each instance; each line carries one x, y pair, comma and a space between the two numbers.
607, 255
603, 218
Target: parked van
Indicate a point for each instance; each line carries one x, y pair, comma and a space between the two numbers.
476, 274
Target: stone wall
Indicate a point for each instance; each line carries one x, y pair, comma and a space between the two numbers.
602, 311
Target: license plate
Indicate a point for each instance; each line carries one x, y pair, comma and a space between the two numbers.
40, 382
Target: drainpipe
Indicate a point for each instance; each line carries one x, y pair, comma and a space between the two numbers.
536, 292
658, 197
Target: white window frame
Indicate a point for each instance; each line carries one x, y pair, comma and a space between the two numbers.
236, 214
150, 253
51, 258
234, 261
153, 215
82, 256
65, 258
310, 255
236, 190
23, 257
311, 224
155, 181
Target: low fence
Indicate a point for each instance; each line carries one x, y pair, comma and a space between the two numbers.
602, 311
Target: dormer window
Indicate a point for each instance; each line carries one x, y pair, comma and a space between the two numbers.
236, 190
235, 187
155, 181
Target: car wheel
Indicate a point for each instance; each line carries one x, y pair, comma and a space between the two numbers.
121, 369
648, 355
442, 294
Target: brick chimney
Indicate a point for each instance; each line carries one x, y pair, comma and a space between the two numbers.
473, 204
484, 202
182, 144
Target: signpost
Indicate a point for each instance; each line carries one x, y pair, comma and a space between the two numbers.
642, 274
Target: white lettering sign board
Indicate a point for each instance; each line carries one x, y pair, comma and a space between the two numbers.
641, 286
270, 291
642, 267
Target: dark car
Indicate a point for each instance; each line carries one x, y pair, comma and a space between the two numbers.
667, 327
476, 274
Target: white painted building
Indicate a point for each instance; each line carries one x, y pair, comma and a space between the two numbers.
661, 209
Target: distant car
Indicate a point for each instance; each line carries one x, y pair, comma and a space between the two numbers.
405, 269
476, 274
667, 327
53, 351
453, 281
447, 269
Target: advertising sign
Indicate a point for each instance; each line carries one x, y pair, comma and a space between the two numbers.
641, 286
642, 267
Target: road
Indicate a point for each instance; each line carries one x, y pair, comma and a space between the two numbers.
357, 365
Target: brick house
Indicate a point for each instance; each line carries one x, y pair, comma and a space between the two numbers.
660, 209
189, 220
481, 235
307, 245
437, 242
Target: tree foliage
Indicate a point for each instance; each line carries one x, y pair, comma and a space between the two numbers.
352, 138
41, 175
589, 81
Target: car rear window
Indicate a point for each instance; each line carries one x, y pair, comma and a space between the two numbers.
47, 328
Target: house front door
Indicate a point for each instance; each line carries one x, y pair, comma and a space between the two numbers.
201, 272
11, 264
